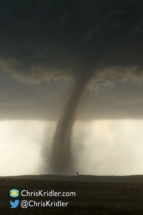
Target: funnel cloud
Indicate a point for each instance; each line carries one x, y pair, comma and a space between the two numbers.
70, 39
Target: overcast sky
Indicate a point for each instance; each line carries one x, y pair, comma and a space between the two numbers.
50, 50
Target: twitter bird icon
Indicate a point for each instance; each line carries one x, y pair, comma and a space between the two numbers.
14, 204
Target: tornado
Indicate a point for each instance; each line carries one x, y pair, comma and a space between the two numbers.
62, 160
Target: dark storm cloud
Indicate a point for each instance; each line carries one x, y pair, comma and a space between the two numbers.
118, 101
43, 101
40, 40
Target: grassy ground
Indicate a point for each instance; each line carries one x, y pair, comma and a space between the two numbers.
91, 198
